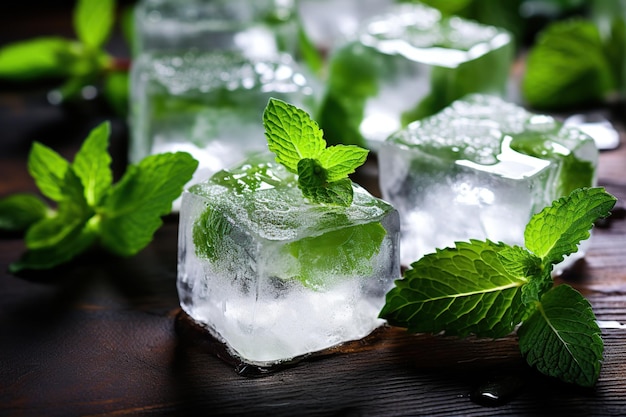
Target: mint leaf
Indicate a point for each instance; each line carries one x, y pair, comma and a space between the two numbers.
291, 134
311, 174
209, 232
20, 211
73, 211
335, 193
561, 339
123, 218
92, 164
93, 21
342, 160
462, 290
72, 244
324, 259
299, 145
31, 59
48, 169
133, 209
557, 230
567, 67
522, 264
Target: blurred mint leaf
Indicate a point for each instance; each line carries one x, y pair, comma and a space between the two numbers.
299, 145
562, 339
19, 211
462, 290
557, 230
93, 21
35, 58
133, 209
567, 67
115, 90
122, 217
80, 63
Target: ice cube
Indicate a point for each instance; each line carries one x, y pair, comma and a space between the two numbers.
275, 277
210, 104
329, 29
254, 27
479, 169
407, 64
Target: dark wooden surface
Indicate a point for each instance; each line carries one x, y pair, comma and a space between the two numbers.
102, 336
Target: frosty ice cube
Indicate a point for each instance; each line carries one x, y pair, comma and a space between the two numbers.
479, 169
254, 27
328, 29
209, 104
407, 64
275, 277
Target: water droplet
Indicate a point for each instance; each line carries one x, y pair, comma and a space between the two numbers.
497, 390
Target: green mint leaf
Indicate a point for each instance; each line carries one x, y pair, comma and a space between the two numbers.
209, 232
522, 264
19, 211
64, 250
341, 160
93, 21
557, 230
291, 134
49, 170
326, 258
353, 77
462, 290
72, 213
116, 88
132, 211
562, 339
311, 174
338, 193
308, 52
92, 164
31, 59
567, 67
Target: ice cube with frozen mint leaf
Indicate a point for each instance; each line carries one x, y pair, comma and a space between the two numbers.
209, 104
479, 169
277, 268
406, 64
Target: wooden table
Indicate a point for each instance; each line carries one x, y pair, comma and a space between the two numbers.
102, 336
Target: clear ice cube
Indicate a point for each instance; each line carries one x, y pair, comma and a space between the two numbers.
329, 29
275, 277
210, 104
254, 27
407, 64
479, 169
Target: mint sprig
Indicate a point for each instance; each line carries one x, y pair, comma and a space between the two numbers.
80, 62
89, 208
299, 145
488, 289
